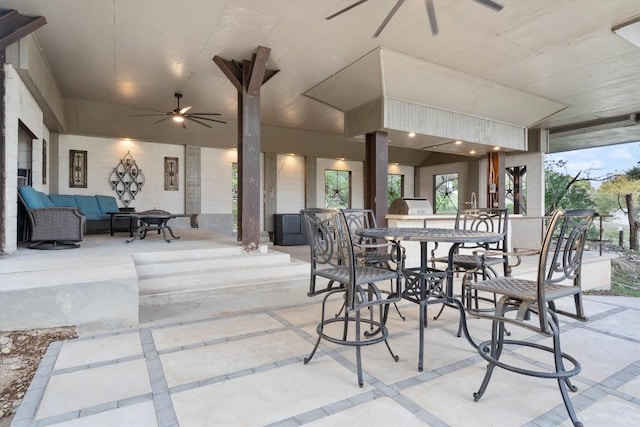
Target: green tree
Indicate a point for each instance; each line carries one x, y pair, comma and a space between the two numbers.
610, 195
564, 191
634, 172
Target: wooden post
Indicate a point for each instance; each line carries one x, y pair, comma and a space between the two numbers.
375, 175
495, 179
248, 78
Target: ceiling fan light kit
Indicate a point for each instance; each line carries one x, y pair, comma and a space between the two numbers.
179, 115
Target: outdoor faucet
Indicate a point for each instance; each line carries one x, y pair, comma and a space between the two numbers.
473, 202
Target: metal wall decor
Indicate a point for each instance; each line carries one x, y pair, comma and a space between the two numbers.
77, 169
171, 182
127, 179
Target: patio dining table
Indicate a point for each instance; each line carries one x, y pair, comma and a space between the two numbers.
421, 284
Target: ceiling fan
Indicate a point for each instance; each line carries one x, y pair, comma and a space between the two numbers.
179, 115
431, 11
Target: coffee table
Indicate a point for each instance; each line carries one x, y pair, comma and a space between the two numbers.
148, 221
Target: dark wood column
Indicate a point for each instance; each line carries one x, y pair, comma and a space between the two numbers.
375, 175
248, 78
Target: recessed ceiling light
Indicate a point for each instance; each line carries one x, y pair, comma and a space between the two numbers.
496, 148
458, 142
630, 31
472, 152
412, 134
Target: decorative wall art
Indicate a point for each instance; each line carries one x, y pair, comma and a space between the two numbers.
171, 182
127, 179
77, 169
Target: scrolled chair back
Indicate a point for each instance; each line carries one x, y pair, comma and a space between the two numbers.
329, 245
563, 246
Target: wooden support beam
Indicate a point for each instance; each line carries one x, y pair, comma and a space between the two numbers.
231, 70
248, 76
14, 26
375, 179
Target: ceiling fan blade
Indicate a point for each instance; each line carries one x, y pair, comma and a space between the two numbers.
205, 118
491, 4
184, 110
197, 121
431, 11
388, 18
162, 120
204, 114
345, 9
147, 115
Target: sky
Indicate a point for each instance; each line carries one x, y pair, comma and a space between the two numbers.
601, 160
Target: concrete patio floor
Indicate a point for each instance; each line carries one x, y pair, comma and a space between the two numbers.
245, 368
237, 360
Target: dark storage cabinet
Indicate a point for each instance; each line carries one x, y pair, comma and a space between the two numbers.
288, 230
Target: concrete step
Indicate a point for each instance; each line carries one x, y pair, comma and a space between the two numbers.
143, 258
245, 290
222, 277
193, 274
187, 263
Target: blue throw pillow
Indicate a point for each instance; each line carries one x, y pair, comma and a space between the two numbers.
88, 205
63, 200
34, 199
107, 204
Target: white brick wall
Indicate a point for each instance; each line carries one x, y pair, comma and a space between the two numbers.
103, 155
19, 105
216, 180
291, 179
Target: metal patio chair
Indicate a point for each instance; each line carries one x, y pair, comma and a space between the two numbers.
336, 272
480, 219
520, 301
370, 251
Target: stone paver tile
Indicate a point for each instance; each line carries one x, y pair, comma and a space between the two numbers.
178, 336
204, 362
450, 397
632, 388
85, 352
275, 395
624, 324
600, 413
90, 387
380, 412
139, 415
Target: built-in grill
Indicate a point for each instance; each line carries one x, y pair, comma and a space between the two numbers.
410, 206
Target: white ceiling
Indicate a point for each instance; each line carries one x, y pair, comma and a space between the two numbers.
137, 53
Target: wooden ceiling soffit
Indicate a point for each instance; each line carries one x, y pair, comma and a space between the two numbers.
14, 26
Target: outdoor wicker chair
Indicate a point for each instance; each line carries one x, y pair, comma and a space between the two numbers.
559, 276
51, 227
336, 272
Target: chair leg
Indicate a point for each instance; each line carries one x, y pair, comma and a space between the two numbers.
564, 384
319, 330
358, 350
497, 337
